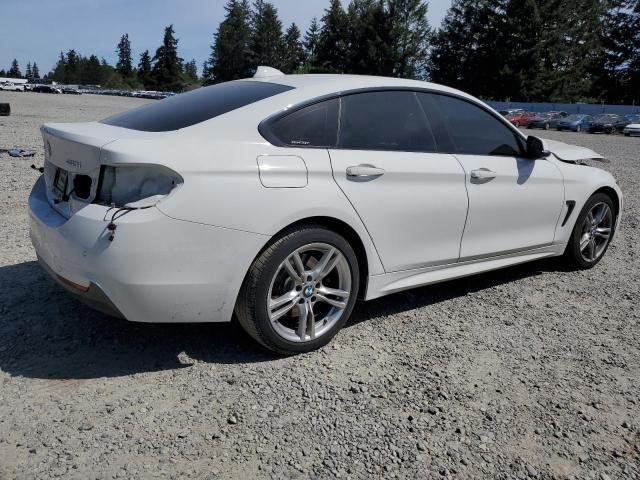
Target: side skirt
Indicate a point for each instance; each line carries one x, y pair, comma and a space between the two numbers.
387, 283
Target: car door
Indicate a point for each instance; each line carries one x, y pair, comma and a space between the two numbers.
411, 198
514, 201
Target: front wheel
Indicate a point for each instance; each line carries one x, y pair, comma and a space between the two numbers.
300, 291
592, 232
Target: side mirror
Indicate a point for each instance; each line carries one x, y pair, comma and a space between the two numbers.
535, 148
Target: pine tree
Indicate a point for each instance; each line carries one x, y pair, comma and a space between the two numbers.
124, 65
144, 68
311, 40
632, 71
266, 45
191, 70
27, 73
333, 42
369, 48
230, 53
3, 73
35, 71
14, 71
71, 74
91, 71
410, 37
294, 55
165, 74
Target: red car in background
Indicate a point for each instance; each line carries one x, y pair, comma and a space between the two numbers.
519, 119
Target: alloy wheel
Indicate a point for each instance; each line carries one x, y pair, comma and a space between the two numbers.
309, 292
596, 232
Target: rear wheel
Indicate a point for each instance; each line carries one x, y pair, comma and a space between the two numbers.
592, 232
300, 291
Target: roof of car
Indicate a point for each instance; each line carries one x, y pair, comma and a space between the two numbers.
323, 84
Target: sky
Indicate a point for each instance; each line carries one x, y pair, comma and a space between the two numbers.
37, 30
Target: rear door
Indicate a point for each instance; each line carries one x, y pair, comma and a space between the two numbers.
514, 201
411, 198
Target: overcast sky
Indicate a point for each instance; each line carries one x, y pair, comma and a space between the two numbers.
37, 30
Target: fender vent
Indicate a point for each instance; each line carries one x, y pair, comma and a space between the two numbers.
571, 204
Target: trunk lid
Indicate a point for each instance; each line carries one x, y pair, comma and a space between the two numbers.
72, 161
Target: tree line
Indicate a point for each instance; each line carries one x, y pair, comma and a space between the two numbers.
532, 50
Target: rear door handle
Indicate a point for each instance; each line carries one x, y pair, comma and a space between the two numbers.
483, 173
363, 171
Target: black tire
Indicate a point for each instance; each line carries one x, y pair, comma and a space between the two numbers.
251, 306
572, 254
5, 109
627, 134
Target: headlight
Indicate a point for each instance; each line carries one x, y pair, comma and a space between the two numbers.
144, 185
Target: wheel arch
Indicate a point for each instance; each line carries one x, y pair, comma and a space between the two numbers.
340, 227
610, 192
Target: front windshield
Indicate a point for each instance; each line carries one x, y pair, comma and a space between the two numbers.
574, 118
605, 118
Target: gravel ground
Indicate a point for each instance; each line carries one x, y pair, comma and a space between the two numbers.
529, 372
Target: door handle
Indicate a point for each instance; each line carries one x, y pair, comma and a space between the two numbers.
483, 173
363, 171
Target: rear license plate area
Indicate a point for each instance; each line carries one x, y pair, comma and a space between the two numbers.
60, 181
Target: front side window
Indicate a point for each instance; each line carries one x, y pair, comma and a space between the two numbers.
195, 107
473, 130
312, 126
387, 120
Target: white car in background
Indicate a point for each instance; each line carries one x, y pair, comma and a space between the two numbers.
285, 198
632, 130
12, 87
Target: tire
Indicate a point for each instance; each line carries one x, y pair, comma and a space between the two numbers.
5, 109
627, 134
269, 279
558, 129
580, 258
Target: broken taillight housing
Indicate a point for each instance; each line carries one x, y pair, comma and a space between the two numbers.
135, 185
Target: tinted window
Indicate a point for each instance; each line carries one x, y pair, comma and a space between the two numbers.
194, 107
473, 130
384, 121
312, 126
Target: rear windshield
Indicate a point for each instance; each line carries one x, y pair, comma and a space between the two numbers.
194, 107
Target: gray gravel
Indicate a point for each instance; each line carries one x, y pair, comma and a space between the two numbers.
529, 372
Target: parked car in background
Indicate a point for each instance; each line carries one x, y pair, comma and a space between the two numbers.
510, 111
70, 91
11, 87
608, 123
339, 189
46, 89
546, 120
519, 119
575, 123
633, 117
632, 130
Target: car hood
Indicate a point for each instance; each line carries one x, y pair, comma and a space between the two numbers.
633, 125
571, 153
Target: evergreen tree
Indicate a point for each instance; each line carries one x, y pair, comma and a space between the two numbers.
632, 71
191, 70
144, 68
3, 73
369, 48
333, 41
165, 74
311, 40
14, 71
27, 73
35, 71
294, 55
71, 74
124, 65
410, 37
91, 72
266, 45
230, 53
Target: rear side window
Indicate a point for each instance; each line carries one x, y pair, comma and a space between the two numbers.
312, 126
474, 131
196, 106
388, 120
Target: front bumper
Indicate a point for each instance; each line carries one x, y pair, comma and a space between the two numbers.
157, 269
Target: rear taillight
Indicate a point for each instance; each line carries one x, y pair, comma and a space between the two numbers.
135, 186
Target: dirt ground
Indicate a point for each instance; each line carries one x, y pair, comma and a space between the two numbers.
529, 372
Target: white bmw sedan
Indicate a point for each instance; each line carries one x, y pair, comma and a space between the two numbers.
283, 199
